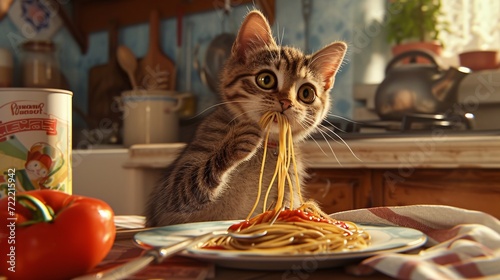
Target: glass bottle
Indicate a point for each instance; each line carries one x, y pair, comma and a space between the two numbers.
40, 67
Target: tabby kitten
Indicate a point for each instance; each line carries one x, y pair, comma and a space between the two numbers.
216, 176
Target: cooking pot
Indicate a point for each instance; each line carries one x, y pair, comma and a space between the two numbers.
150, 116
417, 88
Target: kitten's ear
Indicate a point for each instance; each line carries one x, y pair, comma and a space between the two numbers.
327, 62
254, 33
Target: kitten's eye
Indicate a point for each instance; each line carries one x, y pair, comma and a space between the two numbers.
307, 94
266, 80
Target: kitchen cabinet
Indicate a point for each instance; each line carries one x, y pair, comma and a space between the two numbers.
345, 189
475, 189
338, 190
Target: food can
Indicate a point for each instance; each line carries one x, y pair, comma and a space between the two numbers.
35, 140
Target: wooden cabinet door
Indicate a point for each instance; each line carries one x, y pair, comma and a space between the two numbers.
475, 189
339, 189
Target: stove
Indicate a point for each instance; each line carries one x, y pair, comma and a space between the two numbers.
411, 125
453, 121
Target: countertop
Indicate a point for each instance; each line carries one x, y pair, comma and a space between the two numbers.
432, 151
438, 151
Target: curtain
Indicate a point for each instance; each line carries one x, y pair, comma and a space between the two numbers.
471, 25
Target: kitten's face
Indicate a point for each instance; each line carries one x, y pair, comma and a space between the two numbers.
261, 76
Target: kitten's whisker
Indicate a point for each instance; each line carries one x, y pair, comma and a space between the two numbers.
278, 34
342, 118
317, 144
329, 146
282, 36
321, 126
247, 111
254, 7
307, 121
342, 140
220, 104
320, 129
275, 54
207, 109
332, 125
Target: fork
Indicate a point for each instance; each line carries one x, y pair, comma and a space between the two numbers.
159, 254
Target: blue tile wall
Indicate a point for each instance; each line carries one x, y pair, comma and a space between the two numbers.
330, 21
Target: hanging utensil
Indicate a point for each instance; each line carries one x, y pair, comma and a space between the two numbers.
188, 109
128, 62
156, 70
217, 53
106, 82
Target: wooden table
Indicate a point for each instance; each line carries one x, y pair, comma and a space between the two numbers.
181, 268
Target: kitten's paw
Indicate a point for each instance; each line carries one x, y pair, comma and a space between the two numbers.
247, 138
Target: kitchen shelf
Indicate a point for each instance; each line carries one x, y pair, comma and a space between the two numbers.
95, 15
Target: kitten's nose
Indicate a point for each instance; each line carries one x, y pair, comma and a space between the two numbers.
285, 104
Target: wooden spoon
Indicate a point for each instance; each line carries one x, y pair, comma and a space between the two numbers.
128, 62
156, 70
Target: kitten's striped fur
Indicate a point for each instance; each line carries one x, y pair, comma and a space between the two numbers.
216, 176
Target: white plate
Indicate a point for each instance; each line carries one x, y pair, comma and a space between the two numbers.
384, 239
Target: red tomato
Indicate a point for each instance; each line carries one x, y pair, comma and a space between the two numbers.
79, 236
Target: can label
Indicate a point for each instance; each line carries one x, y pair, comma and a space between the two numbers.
35, 140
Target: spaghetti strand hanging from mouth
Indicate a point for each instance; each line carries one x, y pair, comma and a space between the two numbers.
286, 157
305, 229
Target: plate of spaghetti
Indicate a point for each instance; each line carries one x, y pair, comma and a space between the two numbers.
279, 256
287, 235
